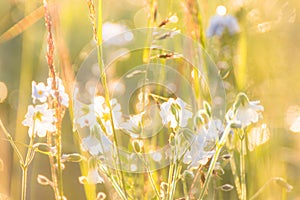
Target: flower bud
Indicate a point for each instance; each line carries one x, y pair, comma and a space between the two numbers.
172, 139
44, 149
74, 157
101, 196
137, 145
41, 179
226, 187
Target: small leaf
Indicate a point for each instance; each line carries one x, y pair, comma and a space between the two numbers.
44, 149
137, 145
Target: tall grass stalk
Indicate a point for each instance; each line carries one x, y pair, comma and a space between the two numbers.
107, 95
56, 165
242, 166
214, 160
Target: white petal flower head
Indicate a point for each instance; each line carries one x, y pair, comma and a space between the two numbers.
102, 110
95, 146
85, 115
133, 126
63, 97
94, 177
175, 113
221, 23
244, 111
40, 120
197, 155
39, 92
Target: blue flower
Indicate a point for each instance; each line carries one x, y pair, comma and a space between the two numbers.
221, 23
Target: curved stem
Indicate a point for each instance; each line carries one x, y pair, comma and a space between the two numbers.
152, 182
274, 179
214, 160
12, 142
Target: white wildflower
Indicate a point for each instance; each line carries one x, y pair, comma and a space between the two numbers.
40, 120
199, 152
197, 155
39, 92
94, 177
94, 146
175, 112
244, 111
133, 126
85, 115
102, 111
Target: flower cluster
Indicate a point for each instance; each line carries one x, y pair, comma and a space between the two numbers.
40, 118
175, 114
43, 92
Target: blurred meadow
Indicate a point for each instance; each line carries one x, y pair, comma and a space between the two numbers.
272, 30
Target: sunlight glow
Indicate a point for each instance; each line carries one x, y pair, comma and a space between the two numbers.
221, 10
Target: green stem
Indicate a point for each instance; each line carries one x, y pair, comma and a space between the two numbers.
236, 178
214, 160
24, 182
235, 173
29, 157
177, 170
114, 183
59, 164
12, 142
153, 183
242, 168
150, 176
52, 167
